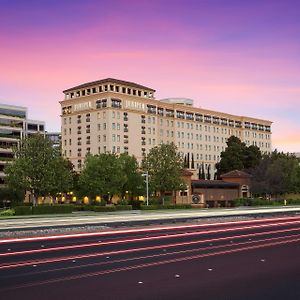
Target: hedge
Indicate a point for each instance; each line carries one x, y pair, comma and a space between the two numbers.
23, 210
169, 206
104, 208
43, 209
52, 209
123, 207
263, 202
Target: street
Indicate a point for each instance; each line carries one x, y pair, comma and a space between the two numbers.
251, 259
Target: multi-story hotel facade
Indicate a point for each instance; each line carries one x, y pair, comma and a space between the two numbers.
111, 115
14, 126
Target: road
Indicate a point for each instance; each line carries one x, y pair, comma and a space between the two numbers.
253, 259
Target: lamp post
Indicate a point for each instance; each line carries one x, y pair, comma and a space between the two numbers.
146, 174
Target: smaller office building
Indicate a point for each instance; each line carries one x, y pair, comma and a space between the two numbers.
215, 193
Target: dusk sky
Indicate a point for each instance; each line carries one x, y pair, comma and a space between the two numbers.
240, 57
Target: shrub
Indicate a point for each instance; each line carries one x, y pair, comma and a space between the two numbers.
104, 208
136, 204
52, 209
123, 202
7, 212
169, 206
123, 207
23, 210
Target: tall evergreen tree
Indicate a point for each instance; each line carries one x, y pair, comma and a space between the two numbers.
193, 162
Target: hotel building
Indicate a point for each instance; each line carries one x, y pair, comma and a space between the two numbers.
14, 126
117, 116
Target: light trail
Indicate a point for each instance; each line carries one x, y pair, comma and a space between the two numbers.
152, 264
152, 256
151, 229
92, 255
152, 238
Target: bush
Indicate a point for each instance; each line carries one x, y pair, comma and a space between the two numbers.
136, 204
104, 208
169, 206
52, 209
23, 210
123, 207
123, 202
7, 212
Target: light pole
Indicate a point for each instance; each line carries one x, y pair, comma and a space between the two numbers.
146, 174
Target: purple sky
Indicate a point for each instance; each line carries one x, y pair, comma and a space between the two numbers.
240, 57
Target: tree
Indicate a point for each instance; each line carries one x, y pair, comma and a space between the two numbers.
276, 174
237, 156
102, 175
208, 173
133, 183
203, 171
193, 162
38, 168
164, 164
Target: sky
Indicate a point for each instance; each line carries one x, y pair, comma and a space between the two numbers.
235, 56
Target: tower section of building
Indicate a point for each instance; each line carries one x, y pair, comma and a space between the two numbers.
117, 116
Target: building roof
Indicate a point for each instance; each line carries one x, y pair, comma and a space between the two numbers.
236, 174
213, 184
109, 80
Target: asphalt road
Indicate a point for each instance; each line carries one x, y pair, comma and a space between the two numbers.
254, 259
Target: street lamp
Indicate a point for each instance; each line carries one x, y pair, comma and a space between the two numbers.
146, 174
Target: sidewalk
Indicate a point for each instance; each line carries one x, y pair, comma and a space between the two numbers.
135, 217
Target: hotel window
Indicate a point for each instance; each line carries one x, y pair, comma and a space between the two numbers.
199, 118
113, 137
65, 131
104, 138
124, 90
113, 126
99, 138
160, 111
116, 103
88, 140
99, 150
70, 142
117, 88
169, 113
65, 121
111, 87
189, 116
65, 142
118, 115
207, 119
99, 127
104, 149
118, 138
180, 114
70, 120
88, 128
104, 126
105, 88
70, 130
113, 114
118, 126
70, 152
